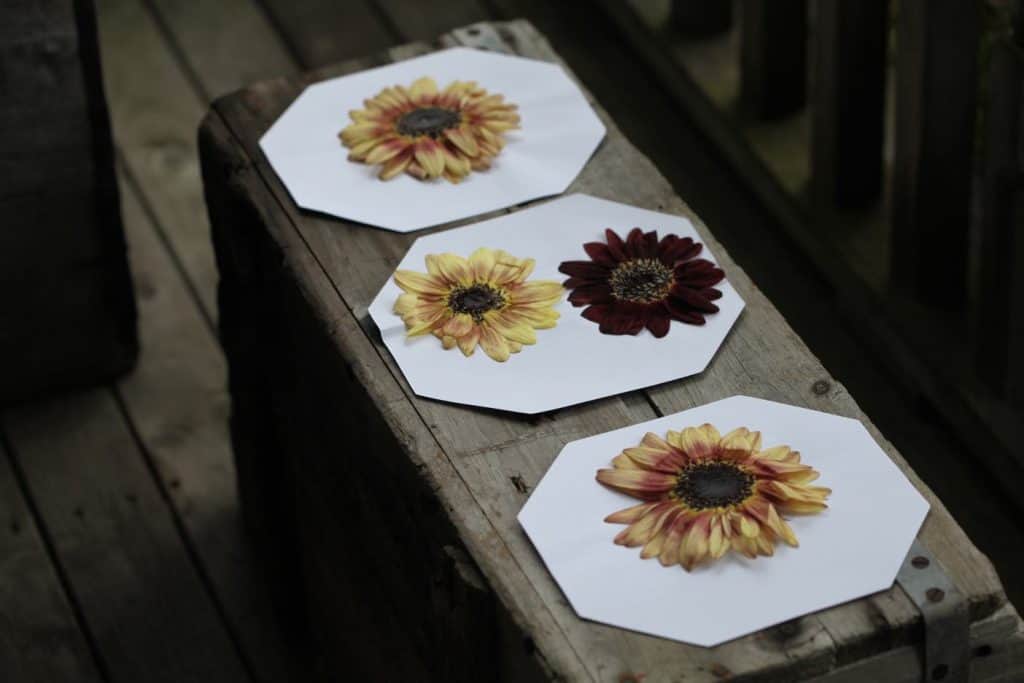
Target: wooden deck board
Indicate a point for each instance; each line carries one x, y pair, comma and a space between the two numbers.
177, 400
40, 638
154, 111
150, 614
323, 31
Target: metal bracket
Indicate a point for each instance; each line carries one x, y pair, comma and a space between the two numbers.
482, 36
944, 612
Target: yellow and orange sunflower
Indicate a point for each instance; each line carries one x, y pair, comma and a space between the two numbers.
705, 494
429, 133
483, 300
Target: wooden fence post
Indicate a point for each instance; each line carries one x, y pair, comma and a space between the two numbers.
67, 308
1000, 297
773, 57
848, 99
937, 44
700, 18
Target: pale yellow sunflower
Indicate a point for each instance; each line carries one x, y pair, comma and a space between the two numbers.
483, 300
706, 494
429, 133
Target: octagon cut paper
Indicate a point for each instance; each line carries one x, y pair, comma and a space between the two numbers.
558, 133
572, 362
852, 549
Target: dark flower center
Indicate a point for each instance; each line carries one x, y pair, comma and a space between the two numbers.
475, 300
642, 280
430, 121
713, 484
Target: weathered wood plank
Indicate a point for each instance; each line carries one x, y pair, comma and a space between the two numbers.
177, 404
997, 643
848, 92
357, 261
323, 31
247, 204
773, 57
415, 20
936, 81
177, 399
112, 532
155, 135
223, 44
40, 639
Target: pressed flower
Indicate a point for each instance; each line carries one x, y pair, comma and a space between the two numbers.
642, 281
484, 300
430, 133
705, 494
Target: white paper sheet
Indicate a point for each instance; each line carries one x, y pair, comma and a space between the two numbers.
573, 362
559, 132
853, 549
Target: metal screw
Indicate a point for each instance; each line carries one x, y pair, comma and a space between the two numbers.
821, 387
935, 594
920, 562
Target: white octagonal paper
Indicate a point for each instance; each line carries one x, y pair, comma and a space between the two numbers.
572, 362
853, 549
559, 131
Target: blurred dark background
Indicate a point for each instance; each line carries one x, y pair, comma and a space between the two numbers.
861, 160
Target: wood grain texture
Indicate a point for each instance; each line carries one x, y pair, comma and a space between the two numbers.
415, 20
154, 111
223, 44
40, 639
491, 460
112, 532
176, 400
177, 404
323, 31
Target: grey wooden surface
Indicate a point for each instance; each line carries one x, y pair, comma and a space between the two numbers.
164, 60
491, 460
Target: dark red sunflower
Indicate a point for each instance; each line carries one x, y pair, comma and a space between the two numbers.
643, 282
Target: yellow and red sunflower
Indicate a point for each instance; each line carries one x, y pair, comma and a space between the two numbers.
643, 282
484, 300
705, 494
430, 133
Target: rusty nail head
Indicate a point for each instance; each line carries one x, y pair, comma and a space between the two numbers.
920, 562
935, 594
821, 387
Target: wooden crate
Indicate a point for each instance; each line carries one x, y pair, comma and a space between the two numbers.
67, 312
398, 513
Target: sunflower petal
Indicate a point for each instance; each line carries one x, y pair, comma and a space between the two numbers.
697, 442
493, 344
430, 155
638, 483
467, 342
422, 86
462, 137
630, 514
413, 282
